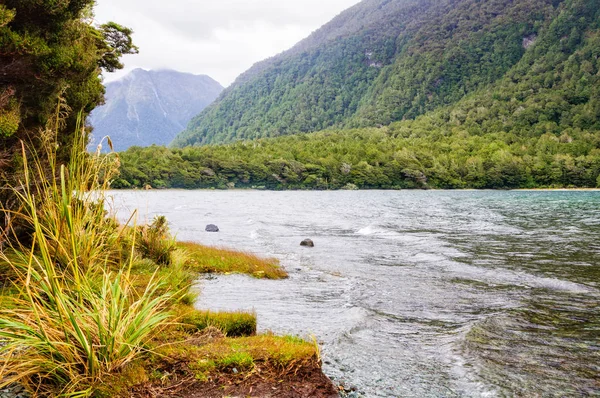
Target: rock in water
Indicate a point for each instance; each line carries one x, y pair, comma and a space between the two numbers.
212, 228
307, 243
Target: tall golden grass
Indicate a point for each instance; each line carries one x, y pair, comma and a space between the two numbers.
75, 315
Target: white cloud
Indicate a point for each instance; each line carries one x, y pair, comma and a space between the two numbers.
220, 38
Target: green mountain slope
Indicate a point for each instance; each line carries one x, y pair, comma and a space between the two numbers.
536, 126
378, 62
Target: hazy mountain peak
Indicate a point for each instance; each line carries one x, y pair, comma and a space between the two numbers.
148, 107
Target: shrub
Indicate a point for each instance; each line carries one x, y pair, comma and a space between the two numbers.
154, 241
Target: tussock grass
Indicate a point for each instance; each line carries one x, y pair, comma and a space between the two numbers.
66, 202
154, 241
89, 307
62, 338
206, 259
176, 278
73, 316
232, 324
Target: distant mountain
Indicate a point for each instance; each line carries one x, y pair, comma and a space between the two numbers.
150, 107
465, 120
383, 61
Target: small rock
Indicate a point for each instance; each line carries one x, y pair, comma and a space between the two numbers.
212, 228
307, 243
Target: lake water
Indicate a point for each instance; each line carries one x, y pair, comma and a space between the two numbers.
415, 293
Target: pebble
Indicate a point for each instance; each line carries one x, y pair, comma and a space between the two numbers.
16, 391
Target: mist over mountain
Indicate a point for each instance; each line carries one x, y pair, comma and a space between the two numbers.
150, 107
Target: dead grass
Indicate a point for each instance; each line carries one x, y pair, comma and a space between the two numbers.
206, 259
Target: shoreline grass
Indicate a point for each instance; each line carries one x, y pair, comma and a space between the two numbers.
208, 260
94, 308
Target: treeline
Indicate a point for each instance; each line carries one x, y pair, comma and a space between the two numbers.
415, 154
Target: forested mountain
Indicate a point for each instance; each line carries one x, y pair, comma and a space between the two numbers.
383, 61
151, 107
538, 125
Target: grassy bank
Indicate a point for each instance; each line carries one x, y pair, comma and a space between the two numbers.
92, 307
206, 259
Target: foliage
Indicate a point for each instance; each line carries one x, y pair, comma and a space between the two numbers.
536, 126
64, 335
425, 153
114, 43
70, 209
384, 61
50, 49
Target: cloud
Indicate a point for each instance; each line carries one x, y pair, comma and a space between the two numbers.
220, 38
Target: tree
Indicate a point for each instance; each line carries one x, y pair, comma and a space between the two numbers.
50, 50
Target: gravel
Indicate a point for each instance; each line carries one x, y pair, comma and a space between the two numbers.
15, 391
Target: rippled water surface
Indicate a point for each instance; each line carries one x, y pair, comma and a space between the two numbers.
416, 294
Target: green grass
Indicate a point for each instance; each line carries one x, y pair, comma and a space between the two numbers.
73, 315
206, 259
272, 354
232, 324
176, 278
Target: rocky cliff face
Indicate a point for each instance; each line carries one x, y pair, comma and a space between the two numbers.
150, 107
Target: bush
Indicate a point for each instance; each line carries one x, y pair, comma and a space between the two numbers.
154, 241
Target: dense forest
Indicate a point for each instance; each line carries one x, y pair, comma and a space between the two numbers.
419, 154
385, 61
536, 126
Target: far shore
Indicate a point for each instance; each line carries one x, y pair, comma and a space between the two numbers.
378, 189
558, 189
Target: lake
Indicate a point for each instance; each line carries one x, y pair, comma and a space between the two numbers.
414, 293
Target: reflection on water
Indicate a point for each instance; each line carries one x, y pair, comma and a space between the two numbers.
416, 294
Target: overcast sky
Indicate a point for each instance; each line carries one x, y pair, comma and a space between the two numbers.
219, 38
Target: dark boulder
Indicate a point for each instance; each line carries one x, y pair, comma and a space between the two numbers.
307, 243
212, 228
